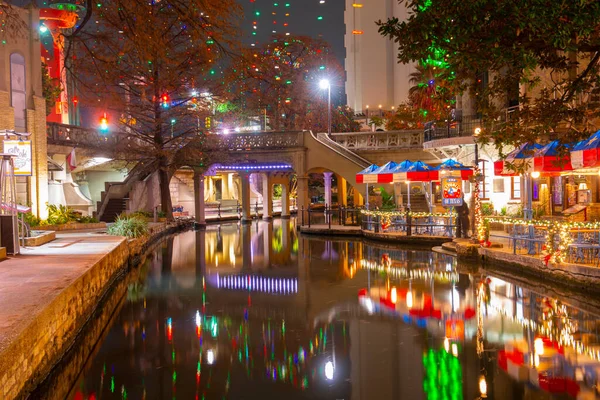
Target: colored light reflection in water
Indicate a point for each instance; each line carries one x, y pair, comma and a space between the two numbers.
305, 323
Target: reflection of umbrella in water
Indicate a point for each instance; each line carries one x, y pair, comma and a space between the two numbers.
329, 253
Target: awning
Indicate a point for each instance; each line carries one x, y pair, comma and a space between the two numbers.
521, 157
586, 154
384, 173
367, 175
416, 172
548, 160
454, 166
53, 165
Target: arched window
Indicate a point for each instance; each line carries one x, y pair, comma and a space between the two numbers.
18, 89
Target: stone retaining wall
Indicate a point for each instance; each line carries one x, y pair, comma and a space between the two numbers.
582, 278
73, 226
30, 357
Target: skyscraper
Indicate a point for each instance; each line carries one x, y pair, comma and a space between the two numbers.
373, 76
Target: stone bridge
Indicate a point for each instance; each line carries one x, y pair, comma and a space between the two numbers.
270, 154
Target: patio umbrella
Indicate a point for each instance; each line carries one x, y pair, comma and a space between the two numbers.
586, 154
415, 172
384, 173
398, 173
548, 160
367, 176
521, 156
453, 165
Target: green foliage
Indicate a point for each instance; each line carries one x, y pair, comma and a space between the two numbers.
503, 211
277, 191
31, 219
86, 219
487, 209
387, 200
50, 89
377, 121
406, 116
491, 47
58, 215
131, 227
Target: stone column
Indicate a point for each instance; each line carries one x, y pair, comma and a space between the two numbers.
327, 181
199, 198
302, 189
245, 200
267, 193
225, 193
342, 191
358, 199
285, 201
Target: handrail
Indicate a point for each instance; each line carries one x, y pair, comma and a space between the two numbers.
427, 196
136, 172
342, 151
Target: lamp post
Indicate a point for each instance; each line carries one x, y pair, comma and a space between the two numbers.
324, 84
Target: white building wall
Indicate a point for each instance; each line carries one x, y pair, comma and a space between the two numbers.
373, 76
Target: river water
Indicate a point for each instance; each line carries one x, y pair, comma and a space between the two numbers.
260, 312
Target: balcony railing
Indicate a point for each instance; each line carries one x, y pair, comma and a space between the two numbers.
390, 140
463, 126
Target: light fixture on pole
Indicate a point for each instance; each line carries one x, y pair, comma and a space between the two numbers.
324, 84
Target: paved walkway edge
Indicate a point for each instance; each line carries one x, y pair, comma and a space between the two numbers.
582, 278
380, 237
39, 347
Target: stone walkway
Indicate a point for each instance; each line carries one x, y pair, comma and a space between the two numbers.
33, 279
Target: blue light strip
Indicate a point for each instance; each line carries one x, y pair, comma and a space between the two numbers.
255, 166
258, 284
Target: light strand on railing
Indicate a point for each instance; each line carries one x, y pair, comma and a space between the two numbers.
258, 284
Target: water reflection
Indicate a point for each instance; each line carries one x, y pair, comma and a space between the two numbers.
255, 311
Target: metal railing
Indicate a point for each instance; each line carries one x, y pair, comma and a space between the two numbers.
408, 225
341, 216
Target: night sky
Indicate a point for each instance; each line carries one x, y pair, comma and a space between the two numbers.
303, 19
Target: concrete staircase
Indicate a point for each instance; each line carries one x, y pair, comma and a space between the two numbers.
418, 202
114, 207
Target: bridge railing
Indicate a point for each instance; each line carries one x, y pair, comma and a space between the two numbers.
390, 140
71, 135
256, 141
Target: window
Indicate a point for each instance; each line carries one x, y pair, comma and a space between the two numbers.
485, 183
515, 187
18, 90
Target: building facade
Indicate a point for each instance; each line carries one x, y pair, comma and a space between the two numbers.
23, 106
374, 79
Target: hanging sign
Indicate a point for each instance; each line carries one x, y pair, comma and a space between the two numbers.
21, 149
452, 195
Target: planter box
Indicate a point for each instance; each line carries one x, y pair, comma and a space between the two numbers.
40, 238
75, 226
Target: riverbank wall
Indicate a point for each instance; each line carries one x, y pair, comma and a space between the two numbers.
31, 354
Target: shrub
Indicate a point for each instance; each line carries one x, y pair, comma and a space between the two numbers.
58, 215
31, 219
487, 209
503, 211
131, 227
87, 219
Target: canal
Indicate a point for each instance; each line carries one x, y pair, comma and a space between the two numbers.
259, 312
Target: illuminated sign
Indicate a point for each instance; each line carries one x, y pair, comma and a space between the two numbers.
452, 195
21, 149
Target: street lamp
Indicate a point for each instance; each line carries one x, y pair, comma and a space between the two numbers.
324, 84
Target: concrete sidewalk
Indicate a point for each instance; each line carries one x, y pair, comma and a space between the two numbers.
32, 280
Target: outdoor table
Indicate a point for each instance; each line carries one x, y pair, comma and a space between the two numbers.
580, 245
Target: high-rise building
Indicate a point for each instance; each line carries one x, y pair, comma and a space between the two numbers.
374, 79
